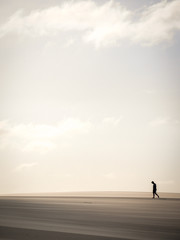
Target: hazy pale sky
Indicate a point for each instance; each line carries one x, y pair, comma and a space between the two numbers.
89, 95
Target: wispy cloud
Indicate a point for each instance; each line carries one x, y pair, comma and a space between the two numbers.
111, 121
40, 137
41, 146
159, 122
25, 166
103, 25
158, 23
43, 138
164, 121
70, 42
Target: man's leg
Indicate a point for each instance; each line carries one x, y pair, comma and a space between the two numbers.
157, 194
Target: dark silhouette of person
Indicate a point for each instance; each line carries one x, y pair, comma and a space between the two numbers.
154, 189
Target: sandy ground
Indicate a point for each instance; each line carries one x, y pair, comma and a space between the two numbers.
89, 218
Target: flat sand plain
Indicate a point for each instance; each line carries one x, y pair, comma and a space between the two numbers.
90, 216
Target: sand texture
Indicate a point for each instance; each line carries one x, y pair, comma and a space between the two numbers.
89, 218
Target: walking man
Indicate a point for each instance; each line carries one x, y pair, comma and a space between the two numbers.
154, 190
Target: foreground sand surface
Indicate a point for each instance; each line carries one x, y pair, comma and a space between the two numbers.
89, 217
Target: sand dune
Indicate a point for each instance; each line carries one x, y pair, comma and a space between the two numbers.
89, 217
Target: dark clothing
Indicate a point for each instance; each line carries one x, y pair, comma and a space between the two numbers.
154, 188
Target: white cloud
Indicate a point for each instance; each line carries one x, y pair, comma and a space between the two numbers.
40, 137
158, 23
159, 122
41, 146
3, 128
70, 42
164, 121
43, 138
25, 166
111, 121
103, 25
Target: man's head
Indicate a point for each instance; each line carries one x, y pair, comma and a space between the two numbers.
152, 182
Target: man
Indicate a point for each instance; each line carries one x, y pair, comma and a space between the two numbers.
154, 190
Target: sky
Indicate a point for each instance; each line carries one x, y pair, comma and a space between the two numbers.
89, 95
